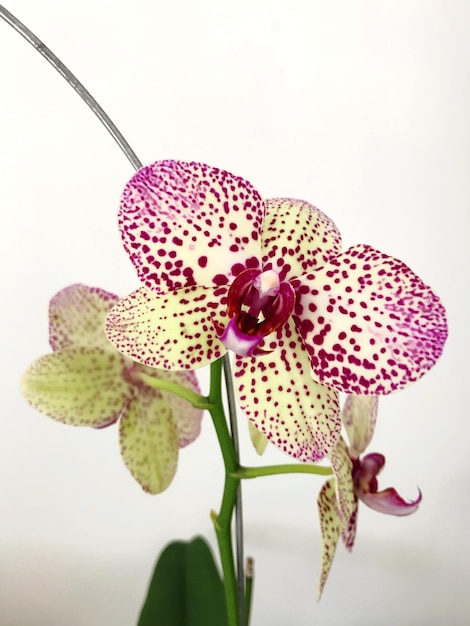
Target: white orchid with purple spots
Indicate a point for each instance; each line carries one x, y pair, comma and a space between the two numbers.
224, 269
355, 478
85, 381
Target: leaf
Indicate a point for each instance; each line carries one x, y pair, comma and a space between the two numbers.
186, 588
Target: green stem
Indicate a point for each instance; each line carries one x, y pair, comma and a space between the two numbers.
273, 470
223, 520
198, 401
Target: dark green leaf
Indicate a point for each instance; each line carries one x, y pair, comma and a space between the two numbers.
186, 588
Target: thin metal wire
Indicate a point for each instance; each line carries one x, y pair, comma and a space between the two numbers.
232, 410
73, 82
86, 96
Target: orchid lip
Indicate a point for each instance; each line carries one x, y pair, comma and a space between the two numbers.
258, 304
239, 342
387, 501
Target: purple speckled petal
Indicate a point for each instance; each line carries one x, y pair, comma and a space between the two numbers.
330, 530
81, 386
371, 326
348, 532
297, 237
187, 418
186, 224
148, 437
174, 331
276, 392
359, 415
77, 315
386, 501
342, 468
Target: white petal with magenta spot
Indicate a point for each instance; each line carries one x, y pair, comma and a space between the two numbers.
296, 414
371, 326
297, 237
186, 224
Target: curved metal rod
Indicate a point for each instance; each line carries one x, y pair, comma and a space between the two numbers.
73, 82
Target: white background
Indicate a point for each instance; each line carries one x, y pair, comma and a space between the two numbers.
361, 108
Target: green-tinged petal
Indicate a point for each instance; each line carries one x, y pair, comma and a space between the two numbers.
298, 415
149, 440
80, 386
187, 418
330, 530
259, 441
297, 237
359, 416
77, 316
342, 468
348, 532
174, 331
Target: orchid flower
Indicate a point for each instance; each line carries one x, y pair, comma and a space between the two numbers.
222, 269
355, 479
85, 381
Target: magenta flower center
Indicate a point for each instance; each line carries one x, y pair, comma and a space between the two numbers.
258, 304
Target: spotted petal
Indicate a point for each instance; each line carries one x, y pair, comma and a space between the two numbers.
297, 237
330, 530
171, 331
187, 418
276, 392
186, 224
371, 326
359, 416
148, 436
77, 315
348, 532
80, 386
342, 468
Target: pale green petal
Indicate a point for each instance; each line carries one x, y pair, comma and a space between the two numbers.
258, 440
342, 468
187, 418
330, 529
149, 440
77, 316
78, 386
359, 416
174, 331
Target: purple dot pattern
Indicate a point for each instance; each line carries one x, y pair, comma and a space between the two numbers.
330, 527
77, 314
297, 237
369, 324
186, 224
276, 392
175, 331
148, 438
337, 508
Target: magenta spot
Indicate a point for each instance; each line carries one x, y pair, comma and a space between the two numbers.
202, 261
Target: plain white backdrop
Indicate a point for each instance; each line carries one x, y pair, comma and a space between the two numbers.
361, 108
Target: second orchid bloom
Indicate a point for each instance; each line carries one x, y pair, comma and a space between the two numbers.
355, 479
